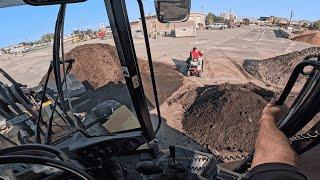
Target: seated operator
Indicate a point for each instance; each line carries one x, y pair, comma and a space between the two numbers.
195, 55
274, 157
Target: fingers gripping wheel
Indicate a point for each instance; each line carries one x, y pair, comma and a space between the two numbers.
301, 112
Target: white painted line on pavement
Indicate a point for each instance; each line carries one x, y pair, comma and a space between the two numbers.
264, 31
233, 37
242, 36
198, 42
268, 40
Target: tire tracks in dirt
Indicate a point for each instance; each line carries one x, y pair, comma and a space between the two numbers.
240, 71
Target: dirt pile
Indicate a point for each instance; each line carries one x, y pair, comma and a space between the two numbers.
308, 37
96, 63
277, 70
99, 64
168, 80
224, 117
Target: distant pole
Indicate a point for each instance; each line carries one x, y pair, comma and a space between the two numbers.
291, 15
26, 37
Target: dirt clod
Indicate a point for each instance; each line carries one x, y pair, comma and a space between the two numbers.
223, 117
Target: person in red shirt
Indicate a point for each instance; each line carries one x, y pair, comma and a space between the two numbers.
196, 53
196, 56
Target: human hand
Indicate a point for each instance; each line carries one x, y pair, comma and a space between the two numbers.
273, 112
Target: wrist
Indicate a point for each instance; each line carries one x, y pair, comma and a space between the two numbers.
266, 119
267, 116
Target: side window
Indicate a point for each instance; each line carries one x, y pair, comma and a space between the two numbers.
96, 91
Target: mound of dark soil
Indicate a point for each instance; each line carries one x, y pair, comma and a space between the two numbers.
168, 80
96, 63
277, 70
309, 38
99, 64
224, 117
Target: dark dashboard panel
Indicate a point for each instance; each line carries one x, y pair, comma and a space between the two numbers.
93, 149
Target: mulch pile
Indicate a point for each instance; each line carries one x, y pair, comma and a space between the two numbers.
277, 70
99, 65
224, 117
309, 38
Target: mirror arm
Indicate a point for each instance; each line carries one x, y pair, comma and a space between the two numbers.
50, 2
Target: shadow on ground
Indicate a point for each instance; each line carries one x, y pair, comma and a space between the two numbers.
252, 66
169, 136
112, 91
279, 34
181, 66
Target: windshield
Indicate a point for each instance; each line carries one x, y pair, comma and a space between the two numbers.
214, 73
96, 94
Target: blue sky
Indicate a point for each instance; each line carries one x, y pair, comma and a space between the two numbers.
27, 23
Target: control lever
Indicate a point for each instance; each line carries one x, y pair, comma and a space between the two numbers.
175, 165
148, 168
172, 150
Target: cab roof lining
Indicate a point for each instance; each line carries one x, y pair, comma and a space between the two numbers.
10, 3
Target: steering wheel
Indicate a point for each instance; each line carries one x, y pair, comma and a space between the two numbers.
41, 155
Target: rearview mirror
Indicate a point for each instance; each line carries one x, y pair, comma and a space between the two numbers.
50, 2
173, 10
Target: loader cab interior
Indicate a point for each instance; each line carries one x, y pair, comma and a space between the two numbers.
70, 128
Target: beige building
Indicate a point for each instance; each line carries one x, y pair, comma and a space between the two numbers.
229, 16
155, 28
199, 19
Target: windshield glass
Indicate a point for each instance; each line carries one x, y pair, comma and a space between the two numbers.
216, 72
96, 94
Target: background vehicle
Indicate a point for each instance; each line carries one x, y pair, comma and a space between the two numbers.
217, 26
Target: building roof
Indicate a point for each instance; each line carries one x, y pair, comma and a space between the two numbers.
135, 22
198, 13
154, 16
294, 23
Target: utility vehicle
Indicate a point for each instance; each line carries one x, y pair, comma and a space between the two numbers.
196, 68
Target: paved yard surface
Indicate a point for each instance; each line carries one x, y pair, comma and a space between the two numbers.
223, 48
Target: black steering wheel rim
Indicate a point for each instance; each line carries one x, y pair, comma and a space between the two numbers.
28, 159
35, 154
